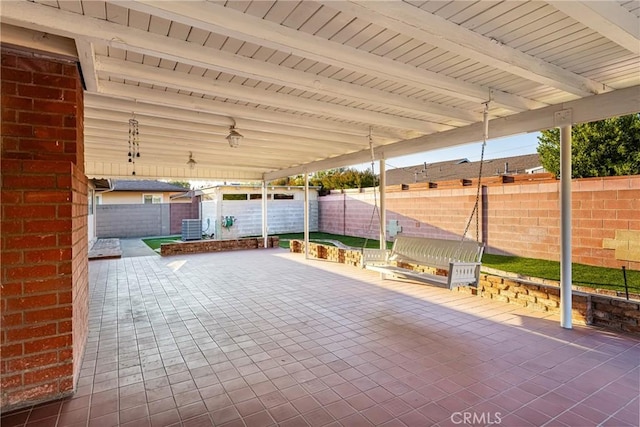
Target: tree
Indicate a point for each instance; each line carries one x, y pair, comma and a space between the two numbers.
333, 179
607, 147
183, 184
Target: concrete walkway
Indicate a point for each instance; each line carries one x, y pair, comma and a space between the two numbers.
119, 248
135, 247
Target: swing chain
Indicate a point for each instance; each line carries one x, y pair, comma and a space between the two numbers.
476, 206
375, 197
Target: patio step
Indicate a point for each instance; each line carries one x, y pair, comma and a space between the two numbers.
105, 249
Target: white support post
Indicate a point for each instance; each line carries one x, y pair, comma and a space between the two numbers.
563, 120
306, 215
383, 205
265, 226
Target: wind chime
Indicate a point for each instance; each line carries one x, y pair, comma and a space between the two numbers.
134, 142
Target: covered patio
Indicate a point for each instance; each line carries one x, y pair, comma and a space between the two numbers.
156, 89
262, 338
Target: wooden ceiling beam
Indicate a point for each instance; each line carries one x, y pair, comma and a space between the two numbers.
162, 77
88, 30
419, 24
608, 18
232, 23
198, 106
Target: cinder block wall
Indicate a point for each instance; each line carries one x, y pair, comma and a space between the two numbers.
423, 212
284, 216
132, 220
44, 231
520, 218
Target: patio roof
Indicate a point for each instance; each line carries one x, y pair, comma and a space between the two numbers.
263, 338
309, 84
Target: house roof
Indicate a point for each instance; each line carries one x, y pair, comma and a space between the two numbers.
461, 169
145, 185
309, 84
101, 184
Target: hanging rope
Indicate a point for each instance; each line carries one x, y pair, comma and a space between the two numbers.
375, 197
476, 206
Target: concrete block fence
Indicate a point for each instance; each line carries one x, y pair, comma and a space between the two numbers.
517, 217
606, 311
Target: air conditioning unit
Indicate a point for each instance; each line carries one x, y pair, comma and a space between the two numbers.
191, 229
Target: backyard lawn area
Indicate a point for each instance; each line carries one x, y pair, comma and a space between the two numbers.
583, 275
155, 242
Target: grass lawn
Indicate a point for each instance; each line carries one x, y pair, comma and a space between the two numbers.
584, 275
156, 242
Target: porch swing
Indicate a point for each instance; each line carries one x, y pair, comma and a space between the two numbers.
425, 259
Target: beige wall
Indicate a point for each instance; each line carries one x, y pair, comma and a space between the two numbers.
135, 197
215, 193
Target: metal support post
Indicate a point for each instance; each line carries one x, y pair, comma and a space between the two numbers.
265, 226
563, 120
306, 215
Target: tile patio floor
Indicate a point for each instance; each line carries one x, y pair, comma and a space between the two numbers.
261, 338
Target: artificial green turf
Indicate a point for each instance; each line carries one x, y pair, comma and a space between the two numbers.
155, 243
584, 275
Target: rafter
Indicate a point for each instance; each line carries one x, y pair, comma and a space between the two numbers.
206, 131
172, 105
232, 23
87, 57
146, 43
432, 29
607, 18
158, 76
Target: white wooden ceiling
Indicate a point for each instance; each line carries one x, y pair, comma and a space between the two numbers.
309, 83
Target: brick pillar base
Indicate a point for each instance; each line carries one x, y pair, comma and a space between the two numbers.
44, 229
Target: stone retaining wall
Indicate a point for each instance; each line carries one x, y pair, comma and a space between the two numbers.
590, 309
202, 246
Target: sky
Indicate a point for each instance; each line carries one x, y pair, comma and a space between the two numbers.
496, 148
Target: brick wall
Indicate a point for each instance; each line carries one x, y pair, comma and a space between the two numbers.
519, 218
610, 312
79, 267
202, 246
44, 235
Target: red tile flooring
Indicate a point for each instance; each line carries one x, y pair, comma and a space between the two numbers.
262, 338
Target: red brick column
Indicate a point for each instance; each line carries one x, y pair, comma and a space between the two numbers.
44, 268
